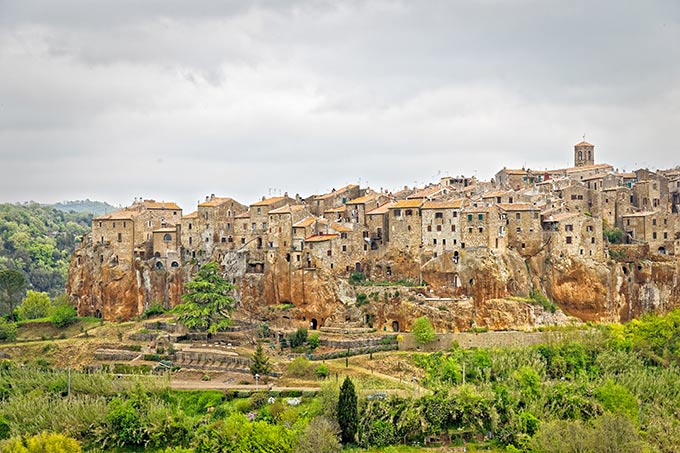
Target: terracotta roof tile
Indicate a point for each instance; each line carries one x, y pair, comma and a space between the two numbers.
452, 204
304, 223
364, 199
268, 201
193, 215
382, 209
517, 207
407, 204
153, 204
321, 237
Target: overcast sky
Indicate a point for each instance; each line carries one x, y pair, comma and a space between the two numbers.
176, 99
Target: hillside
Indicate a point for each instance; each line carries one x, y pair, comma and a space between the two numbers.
86, 206
38, 240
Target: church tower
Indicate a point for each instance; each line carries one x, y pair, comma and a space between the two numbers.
584, 154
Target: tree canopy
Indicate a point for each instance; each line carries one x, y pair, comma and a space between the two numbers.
38, 241
12, 286
423, 331
348, 417
207, 303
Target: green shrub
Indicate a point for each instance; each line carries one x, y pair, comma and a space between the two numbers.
154, 309
313, 341
357, 278
63, 315
321, 371
297, 338
299, 367
422, 330
35, 305
362, 299
42, 443
8, 330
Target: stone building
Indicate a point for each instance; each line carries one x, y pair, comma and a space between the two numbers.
405, 226
483, 227
524, 231
574, 234
190, 236
216, 222
378, 224
166, 247
441, 227
318, 204
658, 229
584, 154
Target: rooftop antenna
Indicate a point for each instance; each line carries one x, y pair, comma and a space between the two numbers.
584, 136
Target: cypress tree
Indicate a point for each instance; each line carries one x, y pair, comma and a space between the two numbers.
348, 416
259, 362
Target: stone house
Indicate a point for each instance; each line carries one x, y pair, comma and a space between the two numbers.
358, 207
378, 224
574, 233
318, 204
524, 231
166, 247
115, 233
656, 228
257, 231
216, 221
483, 227
441, 227
190, 236
405, 226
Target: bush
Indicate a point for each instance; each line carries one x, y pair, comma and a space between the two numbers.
313, 342
8, 330
63, 315
35, 305
299, 367
154, 309
41, 443
298, 338
362, 299
357, 278
321, 371
422, 330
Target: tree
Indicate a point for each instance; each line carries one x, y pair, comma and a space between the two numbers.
260, 362
12, 285
348, 416
320, 436
35, 305
207, 304
422, 330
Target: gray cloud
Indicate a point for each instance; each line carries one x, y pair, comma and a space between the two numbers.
176, 99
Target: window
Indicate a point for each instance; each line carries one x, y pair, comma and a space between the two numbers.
429, 228
100, 224
518, 216
259, 211
439, 227
344, 248
453, 228
654, 235
455, 214
519, 229
438, 215
329, 253
443, 241
397, 212
569, 228
481, 230
191, 240
408, 228
189, 226
469, 217
114, 224
365, 247
470, 230
592, 240
589, 228
409, 212
167, 237
434, 242
653, 222
524, 245
243, 241
665, 235
568, 239
344, 235
480, 216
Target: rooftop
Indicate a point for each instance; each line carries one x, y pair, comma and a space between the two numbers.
451, 204
215, 202
268, 201
517, 207
321, 237
382, 209
407, 204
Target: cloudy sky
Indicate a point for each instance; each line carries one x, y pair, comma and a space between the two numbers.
176, 99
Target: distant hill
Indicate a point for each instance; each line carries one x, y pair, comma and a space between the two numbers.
96, 208
38, 240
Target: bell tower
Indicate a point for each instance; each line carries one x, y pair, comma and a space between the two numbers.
584, 154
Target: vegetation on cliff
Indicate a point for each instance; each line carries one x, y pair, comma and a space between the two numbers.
38, 240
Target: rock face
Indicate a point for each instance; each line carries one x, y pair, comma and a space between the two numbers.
104, 288
477, 289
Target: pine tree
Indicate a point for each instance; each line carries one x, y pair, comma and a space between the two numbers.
348, 416
260, 362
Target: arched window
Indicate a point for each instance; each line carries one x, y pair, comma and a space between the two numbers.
174, 264
580, 155
167, 237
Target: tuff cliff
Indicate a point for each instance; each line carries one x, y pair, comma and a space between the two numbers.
100, 285
477, 289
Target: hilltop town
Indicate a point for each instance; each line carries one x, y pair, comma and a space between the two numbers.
598, 243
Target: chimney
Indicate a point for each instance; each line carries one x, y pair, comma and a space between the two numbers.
212, 196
